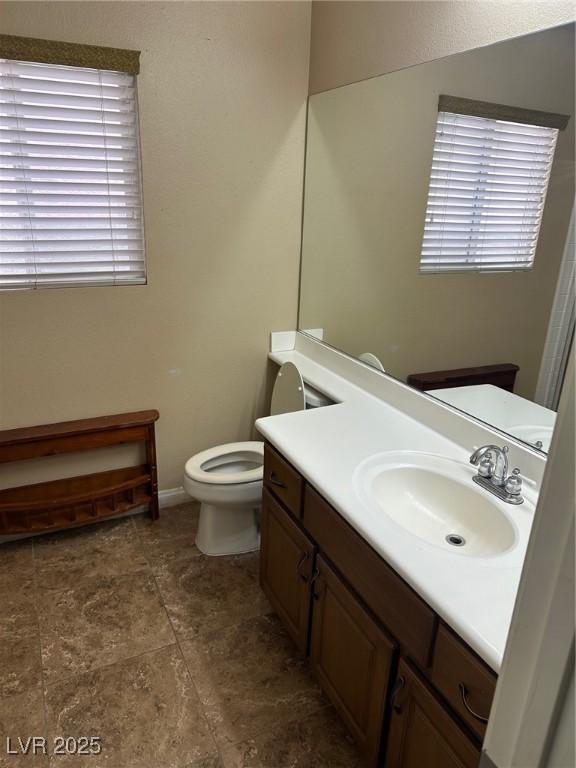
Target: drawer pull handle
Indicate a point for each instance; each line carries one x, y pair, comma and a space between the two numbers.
303, 559
315, 574
274, 480
398, 686
464, 694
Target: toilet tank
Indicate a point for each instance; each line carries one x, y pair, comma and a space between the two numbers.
315, 398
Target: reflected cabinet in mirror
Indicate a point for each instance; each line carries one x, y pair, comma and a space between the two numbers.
438, 238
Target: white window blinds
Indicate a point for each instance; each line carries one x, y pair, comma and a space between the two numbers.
487, 192
70, 188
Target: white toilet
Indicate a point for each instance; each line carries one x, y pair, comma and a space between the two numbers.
227, 479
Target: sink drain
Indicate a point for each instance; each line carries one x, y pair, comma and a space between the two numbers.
455, 539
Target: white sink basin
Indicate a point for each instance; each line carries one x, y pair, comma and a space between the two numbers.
435, 499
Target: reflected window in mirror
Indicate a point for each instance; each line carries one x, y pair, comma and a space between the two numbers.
488, 186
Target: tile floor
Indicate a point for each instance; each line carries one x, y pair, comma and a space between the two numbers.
126, 632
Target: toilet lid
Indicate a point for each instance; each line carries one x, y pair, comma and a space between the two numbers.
368, 357
288, 394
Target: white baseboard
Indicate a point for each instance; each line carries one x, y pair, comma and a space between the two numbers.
172, 496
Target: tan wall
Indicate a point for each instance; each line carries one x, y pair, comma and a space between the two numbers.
222, 96
368, 166
355, 40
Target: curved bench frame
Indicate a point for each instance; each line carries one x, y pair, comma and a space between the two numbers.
78, 500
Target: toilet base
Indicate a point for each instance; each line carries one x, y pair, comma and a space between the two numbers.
228, 530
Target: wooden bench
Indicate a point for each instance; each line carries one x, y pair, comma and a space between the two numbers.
502, 375
74, 501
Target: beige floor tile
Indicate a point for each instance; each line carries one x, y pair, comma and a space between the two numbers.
250, 678
20, 661
101, 622
318, 741
210, 761
145, 711
112, 669
203, 593
16, 569
102, 550
22, 716
167, 551
170, 537
174, 523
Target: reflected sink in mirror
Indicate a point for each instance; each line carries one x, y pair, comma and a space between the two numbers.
434, 499
516, 415
537, 435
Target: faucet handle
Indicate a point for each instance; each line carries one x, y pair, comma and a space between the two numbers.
513, 484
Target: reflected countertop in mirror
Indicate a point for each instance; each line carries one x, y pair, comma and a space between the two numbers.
520, 417
497, 294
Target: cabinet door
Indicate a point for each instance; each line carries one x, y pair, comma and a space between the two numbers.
422, 731
351, 657
286, 558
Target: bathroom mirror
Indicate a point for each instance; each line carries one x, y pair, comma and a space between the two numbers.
438, 229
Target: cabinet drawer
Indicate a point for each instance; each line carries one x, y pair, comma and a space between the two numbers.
464, 681
283, 481
393, 602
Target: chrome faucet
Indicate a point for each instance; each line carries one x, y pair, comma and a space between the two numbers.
493, 475
499, 472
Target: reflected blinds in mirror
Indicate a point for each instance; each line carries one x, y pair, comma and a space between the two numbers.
487, 192
71, 202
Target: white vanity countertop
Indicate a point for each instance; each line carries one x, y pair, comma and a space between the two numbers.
475, 596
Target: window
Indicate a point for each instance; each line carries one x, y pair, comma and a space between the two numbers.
487, 191
70, 187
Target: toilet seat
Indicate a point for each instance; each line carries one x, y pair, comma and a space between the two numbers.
210, 466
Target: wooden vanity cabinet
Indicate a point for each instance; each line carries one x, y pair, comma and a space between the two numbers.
411, 692
397, 606
352, 658
422, 731
285, 569
351, 655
